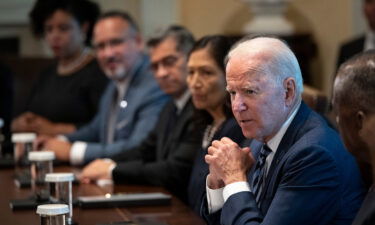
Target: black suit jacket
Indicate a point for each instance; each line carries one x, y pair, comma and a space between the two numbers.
349, 49
312, 180
197, 184
160, 160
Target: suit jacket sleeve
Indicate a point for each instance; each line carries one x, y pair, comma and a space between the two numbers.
139, 152
150, 170
91, 131
306, 194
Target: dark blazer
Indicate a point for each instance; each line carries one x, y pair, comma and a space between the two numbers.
144, 100
197, 184
312, 180
349, 49
163, 159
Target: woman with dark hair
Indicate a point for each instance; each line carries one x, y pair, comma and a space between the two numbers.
67, 93
206, 81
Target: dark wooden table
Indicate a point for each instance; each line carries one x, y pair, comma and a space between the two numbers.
174, 214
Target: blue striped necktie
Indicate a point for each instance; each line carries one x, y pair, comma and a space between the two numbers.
260, 172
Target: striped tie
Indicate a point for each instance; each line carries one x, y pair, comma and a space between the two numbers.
260, 172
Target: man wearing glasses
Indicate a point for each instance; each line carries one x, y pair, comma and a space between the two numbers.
129, 107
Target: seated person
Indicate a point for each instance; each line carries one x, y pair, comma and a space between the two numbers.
166, 156
129, 107
300, 173
66, 94
207, 84
354, 105
363, 42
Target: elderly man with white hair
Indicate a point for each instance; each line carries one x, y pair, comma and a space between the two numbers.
298, 172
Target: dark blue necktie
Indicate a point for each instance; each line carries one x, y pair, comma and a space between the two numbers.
260, 172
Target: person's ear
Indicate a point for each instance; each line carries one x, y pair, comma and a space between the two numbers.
290, 90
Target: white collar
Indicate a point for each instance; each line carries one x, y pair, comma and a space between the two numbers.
182, 100
369, 40
273, 144
122, 87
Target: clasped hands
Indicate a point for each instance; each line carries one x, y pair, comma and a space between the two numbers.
228, 163
31, 122
99, 169
59, 147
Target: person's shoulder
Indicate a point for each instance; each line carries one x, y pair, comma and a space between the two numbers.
315, 130
310, 130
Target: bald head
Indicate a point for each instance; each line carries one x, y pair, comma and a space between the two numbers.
354, 104
355, 83
276, 58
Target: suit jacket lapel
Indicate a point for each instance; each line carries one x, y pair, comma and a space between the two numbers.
287, 141
183, 118
163, 128
107, 101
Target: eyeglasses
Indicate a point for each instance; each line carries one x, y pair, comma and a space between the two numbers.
166, 62
111, 43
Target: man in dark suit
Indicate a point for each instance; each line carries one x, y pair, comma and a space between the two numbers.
364, 42
354, 104
131, 103
166, 156
302, 173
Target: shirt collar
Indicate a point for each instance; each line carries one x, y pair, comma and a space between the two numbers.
273, 144
369, 40
182, 100
123, 85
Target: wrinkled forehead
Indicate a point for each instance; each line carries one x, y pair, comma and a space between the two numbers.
248, 63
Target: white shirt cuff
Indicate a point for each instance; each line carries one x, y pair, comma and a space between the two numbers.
109, 181
77, 153
215, 199
62, 138
234, 188
111, 168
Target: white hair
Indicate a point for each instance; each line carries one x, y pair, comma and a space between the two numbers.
281, 61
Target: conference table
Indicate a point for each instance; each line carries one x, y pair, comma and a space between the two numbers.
175, 213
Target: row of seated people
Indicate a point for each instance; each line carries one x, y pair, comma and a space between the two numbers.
160, 149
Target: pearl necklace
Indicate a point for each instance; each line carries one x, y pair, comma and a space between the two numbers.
210, 132
75, 64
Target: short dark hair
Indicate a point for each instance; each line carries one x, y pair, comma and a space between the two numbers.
355, 82
183, 37
81, 10
123, 15
218, 46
